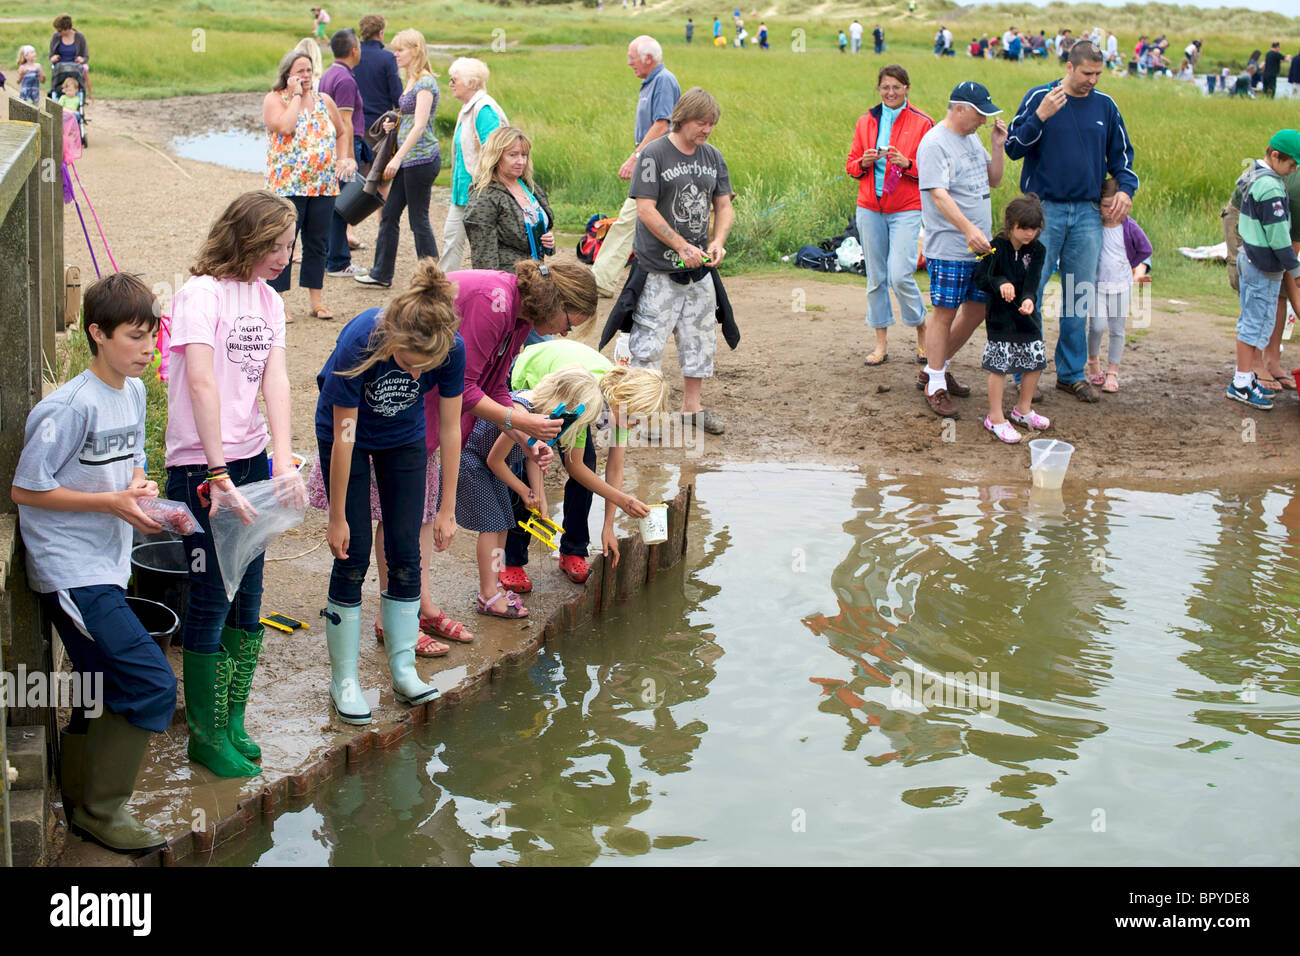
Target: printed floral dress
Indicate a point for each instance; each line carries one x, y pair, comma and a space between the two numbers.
303, 164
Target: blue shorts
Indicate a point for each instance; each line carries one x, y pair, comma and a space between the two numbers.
1258, 296
103, 636
951, 283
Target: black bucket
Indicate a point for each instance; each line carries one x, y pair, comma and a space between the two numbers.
160, 572
354, 204
161, 622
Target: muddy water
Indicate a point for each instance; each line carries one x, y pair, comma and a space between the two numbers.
855, 670
240, 149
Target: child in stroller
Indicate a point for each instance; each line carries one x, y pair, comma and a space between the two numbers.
68, 88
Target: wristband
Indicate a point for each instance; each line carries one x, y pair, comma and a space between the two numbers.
509, 411
221, 471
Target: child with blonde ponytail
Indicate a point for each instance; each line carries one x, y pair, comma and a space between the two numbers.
371, 414
623, 391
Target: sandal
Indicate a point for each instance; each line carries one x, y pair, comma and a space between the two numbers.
1112, 382
513, 608
426, 646
880, 358
321, 313
1285, 380
920, 355
444, 627
1002, 431
1093, 371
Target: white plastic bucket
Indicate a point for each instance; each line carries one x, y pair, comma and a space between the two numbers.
1049, 459
654, 526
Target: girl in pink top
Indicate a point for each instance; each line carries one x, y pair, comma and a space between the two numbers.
497, 312
227, 347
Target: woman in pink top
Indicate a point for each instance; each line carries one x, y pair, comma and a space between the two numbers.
497, 312
227, 347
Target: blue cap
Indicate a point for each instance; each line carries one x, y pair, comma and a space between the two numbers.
976, 95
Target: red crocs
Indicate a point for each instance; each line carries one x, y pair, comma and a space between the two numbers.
575, 567
515, 578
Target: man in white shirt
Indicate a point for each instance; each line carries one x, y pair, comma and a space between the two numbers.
855, 36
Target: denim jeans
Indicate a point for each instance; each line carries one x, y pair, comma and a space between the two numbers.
399, 478
1072, 236
577, 508
208, 610
314, 216
412, 189
889, 244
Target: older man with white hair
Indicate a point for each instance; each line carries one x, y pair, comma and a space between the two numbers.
659, 94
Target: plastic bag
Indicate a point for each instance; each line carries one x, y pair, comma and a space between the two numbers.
237, 543
174, 516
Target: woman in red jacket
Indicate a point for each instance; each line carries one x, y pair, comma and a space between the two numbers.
883, 160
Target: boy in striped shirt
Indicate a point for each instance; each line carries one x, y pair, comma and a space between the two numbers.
1265, 253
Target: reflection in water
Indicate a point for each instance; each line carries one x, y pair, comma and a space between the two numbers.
1102, 678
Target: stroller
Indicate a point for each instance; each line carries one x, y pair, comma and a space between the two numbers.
63, 72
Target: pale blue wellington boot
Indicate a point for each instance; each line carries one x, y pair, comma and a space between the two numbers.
401, 631
343, 635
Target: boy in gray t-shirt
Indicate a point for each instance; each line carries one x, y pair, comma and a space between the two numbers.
77, 487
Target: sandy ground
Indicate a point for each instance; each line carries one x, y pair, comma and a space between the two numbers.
795, 391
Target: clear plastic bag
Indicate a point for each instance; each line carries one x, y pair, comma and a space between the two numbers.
241, 532
174, 516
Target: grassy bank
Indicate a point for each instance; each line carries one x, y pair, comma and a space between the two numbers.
788, 113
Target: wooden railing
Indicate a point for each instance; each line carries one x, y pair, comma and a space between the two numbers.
31, 311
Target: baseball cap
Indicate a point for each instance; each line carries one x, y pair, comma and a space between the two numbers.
1286, 141
976, 95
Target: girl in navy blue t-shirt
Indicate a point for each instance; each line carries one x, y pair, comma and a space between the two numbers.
371, 412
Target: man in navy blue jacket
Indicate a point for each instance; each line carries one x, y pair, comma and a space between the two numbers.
376, 74
1070, 137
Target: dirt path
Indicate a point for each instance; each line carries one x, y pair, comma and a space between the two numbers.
794, 392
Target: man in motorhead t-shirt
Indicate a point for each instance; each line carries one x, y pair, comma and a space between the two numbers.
678, 180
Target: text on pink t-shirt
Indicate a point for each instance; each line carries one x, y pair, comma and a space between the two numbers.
242, 321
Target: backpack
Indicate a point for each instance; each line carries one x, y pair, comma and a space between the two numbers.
592, 237
815, 257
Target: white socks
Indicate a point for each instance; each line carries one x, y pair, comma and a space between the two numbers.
1243, 379
938, 379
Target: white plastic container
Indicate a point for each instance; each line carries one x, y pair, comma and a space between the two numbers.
1049, 459
654, 526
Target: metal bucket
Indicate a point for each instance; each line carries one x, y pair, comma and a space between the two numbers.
160, 572
161, 622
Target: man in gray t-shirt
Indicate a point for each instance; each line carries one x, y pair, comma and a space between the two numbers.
678, 180
956, 175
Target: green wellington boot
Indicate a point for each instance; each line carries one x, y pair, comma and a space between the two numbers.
207, 710
343, 636
114, 751
243, 648
401, 631
72, 770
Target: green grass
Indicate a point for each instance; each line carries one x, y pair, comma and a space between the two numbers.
787, 116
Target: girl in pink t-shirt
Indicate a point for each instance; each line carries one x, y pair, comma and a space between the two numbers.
227, 347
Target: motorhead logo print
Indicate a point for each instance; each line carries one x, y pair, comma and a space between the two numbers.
690, 211
249, 345
392, 393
